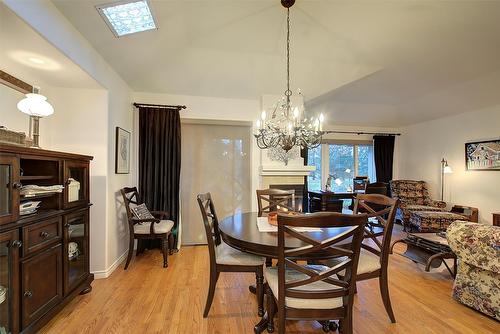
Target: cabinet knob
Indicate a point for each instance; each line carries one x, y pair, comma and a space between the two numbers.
17, 185
67, 225
28, 294
16, 243
44, 234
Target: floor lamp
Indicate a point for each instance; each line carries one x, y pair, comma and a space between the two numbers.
445, 169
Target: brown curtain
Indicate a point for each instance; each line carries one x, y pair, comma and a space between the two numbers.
383, 151
304, 153
160, 160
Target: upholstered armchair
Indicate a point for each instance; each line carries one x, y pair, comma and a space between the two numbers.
413, 196
477, 283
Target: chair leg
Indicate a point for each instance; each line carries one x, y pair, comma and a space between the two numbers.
259, 277
164, 248
211, 291
281, 318
271, 310
130, 251
171, 243
384, 291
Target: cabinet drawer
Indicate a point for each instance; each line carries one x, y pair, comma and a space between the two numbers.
41, 235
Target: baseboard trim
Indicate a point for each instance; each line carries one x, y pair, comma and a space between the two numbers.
106, 273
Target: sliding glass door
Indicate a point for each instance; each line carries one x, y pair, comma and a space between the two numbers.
215, 159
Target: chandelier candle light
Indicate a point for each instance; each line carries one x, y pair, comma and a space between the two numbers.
287, 126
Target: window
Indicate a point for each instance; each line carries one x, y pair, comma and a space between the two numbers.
342, 160
127, 17
314, 178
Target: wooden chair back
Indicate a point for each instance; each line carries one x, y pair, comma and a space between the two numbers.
211, 223
269, 200
130, 196
383, 211
345, 245
359, 183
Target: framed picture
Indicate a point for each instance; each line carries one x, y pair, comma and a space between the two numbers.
482, 155
122, 151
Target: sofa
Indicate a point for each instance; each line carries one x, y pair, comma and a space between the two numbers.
413, 196
477, 283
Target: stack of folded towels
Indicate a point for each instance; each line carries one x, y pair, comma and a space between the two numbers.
32, 190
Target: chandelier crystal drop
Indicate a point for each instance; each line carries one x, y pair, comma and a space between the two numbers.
286, 125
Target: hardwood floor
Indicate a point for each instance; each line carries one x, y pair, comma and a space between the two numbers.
150, 299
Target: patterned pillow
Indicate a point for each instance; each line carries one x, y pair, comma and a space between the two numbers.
142, 212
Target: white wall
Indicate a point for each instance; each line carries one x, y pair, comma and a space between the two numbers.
423, 146
216, 111
46, 19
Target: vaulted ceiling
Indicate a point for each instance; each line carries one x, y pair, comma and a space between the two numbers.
381, 62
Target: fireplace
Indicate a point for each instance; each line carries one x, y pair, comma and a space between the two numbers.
299, 192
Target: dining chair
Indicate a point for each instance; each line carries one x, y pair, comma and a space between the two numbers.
269, 200
314, 292
375, 249
154, 225
224, 258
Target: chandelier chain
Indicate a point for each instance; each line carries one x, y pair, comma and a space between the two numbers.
288, 92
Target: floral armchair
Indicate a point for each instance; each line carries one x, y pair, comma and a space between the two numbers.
477, 247
413, 196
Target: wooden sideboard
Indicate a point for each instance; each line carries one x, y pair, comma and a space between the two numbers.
496, 219
44, 256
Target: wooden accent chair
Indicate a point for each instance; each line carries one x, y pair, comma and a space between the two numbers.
313, 292
224, 258
269, 199
151, 228
374, 256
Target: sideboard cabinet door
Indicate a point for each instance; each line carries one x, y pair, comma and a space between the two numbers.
76, 183
9, 188
41, 284
76, 249
9, 282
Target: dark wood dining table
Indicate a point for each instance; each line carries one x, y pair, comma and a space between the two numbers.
240, 231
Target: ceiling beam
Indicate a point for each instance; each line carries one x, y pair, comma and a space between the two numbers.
15, 83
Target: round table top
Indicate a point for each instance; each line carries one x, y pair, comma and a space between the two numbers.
240, 231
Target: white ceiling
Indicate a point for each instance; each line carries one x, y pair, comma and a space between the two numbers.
362, 62
20, 45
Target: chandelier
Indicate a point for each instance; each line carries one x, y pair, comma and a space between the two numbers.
287, 126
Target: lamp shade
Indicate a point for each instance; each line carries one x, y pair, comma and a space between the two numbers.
35, 105
447, 170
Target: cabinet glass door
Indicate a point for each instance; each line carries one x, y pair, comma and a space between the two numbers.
76, 249
76, 178
8, 276
9, 195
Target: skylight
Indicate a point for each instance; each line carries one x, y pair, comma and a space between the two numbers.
127, 17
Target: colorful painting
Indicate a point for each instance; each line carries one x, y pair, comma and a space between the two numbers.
484, 155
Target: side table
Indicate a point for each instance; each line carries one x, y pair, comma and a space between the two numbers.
429, 249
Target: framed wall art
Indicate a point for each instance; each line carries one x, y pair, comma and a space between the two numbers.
482, 155
122, 151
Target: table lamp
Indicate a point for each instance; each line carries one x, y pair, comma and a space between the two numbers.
36, 106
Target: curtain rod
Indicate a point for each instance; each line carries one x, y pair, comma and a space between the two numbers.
365, 133
166, 106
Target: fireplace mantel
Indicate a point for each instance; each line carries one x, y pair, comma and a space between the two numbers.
274, 170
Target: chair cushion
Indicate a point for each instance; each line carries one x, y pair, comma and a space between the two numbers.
225, 254
367, 263
163, 226
271, 276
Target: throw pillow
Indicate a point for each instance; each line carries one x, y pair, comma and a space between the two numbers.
142, 212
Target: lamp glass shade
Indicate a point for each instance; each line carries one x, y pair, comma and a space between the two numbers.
447, 170
35, 105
